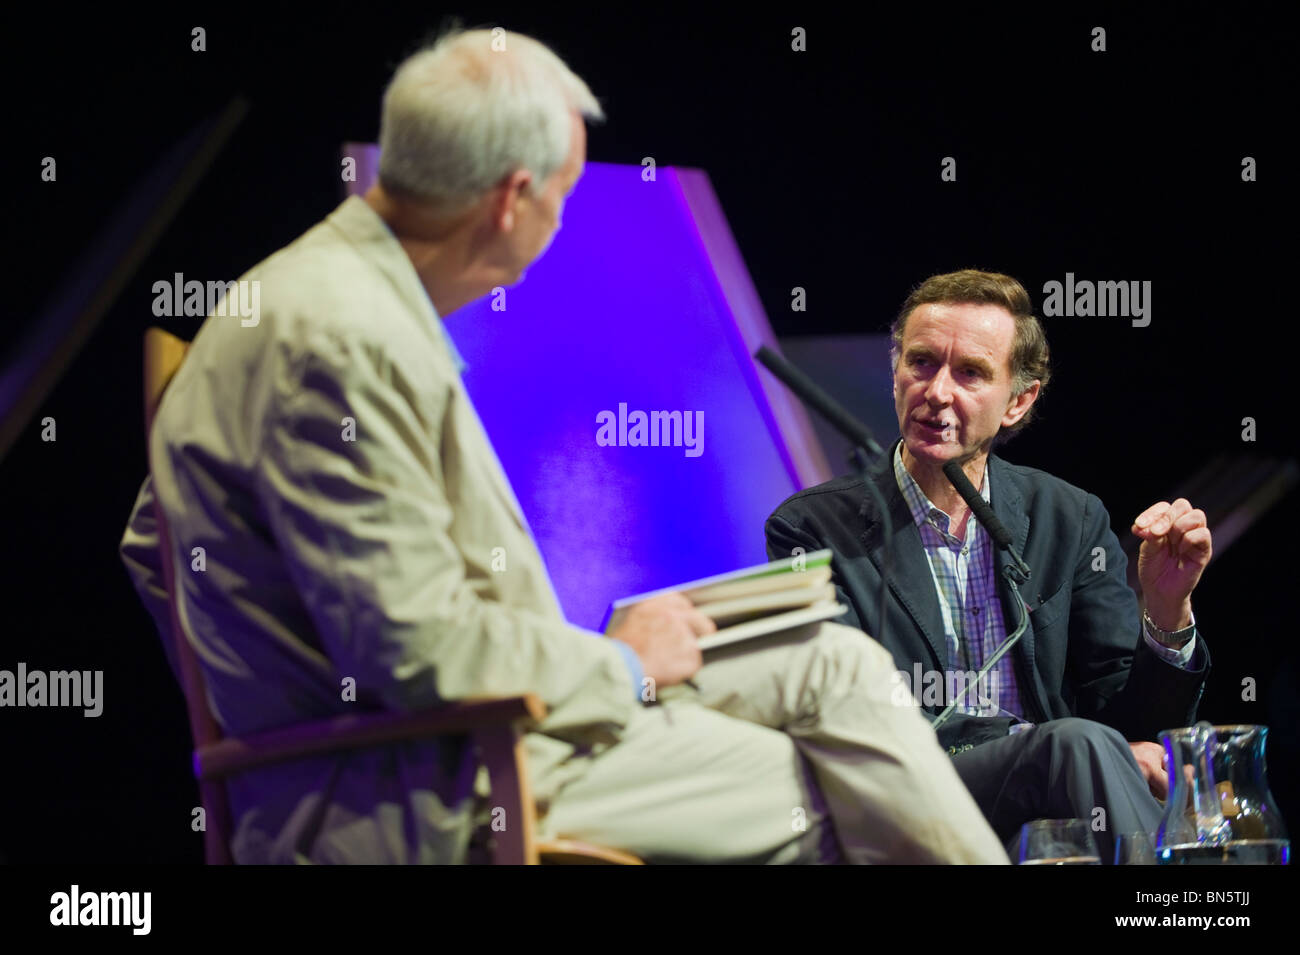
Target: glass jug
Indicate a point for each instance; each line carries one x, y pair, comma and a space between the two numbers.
1220, 810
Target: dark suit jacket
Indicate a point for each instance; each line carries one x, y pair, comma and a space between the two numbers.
1083, 653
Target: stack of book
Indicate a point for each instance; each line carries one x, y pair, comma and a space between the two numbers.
755, 601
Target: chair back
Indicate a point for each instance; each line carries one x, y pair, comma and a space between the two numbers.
163, 354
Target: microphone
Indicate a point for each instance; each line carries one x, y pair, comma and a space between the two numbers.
813, 395
988, 520
1017, 571
859, 437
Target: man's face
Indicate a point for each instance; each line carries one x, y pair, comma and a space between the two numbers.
952, 385
542, 207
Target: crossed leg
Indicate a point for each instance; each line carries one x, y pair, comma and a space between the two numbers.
792, 745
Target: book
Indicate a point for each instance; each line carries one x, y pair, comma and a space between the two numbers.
753, 601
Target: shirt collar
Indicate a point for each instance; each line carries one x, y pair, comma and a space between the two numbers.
922, 508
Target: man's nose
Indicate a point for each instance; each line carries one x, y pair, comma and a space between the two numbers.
939, 391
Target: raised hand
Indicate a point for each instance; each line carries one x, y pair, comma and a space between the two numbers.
1176, 546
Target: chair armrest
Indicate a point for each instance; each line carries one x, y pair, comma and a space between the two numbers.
236, 755
574, 852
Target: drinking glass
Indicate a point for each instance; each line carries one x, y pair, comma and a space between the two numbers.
1058, 842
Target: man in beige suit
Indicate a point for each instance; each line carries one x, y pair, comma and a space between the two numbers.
348, 506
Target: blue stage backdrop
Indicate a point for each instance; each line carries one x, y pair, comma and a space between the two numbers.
641, 305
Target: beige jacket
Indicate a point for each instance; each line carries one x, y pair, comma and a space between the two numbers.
336, 510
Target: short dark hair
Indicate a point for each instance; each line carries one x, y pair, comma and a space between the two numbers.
1030, 356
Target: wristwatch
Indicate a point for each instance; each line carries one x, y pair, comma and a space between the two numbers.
1173, 639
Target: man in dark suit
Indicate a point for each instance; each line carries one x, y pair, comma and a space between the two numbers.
1061, 727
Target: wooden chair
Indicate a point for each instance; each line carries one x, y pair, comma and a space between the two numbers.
495, 726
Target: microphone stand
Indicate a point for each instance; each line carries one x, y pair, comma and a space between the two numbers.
1010, 576
1015, 572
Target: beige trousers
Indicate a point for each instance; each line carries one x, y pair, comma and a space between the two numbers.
793, 749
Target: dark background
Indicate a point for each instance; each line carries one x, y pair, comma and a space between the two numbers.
1123, 165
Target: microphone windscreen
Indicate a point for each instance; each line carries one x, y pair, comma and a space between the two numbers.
983, 513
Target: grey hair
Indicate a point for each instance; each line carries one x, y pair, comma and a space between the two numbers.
477, 105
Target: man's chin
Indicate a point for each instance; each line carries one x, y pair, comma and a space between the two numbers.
932, 450
922, 440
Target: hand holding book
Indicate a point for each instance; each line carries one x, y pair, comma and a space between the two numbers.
751, 602
664, 632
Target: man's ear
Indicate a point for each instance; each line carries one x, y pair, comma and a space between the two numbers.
1020, 404
509, 191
